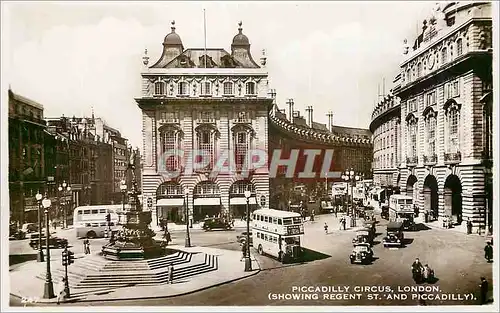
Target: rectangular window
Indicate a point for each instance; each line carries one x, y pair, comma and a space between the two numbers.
206, 88
228, 88
453, 131
280, 221
250, 88
182, 88
456, 89
86, 211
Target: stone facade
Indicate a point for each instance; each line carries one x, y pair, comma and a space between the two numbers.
445, 82
204, 100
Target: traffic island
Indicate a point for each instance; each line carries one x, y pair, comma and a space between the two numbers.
203, 268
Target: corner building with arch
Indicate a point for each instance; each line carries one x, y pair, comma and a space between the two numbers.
445, 92
211, 101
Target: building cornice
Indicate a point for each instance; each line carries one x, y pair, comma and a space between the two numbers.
205, 72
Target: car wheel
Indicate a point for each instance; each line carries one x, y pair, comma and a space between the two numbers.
259, 249
352, 261
91, 234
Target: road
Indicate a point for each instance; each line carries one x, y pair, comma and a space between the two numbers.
456, 258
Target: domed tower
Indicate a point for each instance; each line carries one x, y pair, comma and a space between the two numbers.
240, 49
172, 47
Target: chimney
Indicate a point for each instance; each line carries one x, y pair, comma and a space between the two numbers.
330, 120
290, 110
309, 111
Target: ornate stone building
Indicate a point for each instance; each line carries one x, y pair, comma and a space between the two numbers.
446, 130
386, 129
203, 104
352, 149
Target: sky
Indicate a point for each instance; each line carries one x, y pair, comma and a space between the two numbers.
75, 56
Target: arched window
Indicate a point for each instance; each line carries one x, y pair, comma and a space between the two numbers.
452, 111
206, 188
459, 47
419, 70
250, 88
430, 123
182, 89
240, 186
444, 56
159, 88
228, 88
206, 144
170, 147
169, 189
242, 143
412, 136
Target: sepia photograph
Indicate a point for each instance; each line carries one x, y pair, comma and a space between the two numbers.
275, 156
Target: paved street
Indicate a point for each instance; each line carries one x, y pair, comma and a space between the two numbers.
456, 258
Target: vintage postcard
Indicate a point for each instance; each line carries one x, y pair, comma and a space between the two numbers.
274, 156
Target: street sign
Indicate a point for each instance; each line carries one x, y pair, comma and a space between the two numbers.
150, 202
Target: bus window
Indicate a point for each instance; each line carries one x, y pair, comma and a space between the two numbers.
94, 225
287, 221
253, 216
275, 220
95, 211
103, 224
102, 211
79, 212
409, 201
265, 219
280, 221
86, 211
87, 225
258, 235
297, 220
265, 237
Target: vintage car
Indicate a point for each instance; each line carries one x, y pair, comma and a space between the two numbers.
370, 224
363, 236
361, 253
15, 233
216, 223
408, 221
54, 242
395, 235
242, 238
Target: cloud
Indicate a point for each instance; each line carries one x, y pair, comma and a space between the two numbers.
329, 55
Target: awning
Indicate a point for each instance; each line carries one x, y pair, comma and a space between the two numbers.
174, 202
242, 201
207, 201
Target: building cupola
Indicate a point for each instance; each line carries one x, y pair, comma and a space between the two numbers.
172, 47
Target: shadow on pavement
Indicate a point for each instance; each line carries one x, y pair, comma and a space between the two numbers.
21, 258
311, 255
420, 227
407, 241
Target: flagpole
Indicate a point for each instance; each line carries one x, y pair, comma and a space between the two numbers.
205, 37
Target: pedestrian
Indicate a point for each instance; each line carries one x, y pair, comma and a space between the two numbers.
469, 226
428, 274
488, 252
326, 228
484, 290
343, 222
243, 250
61, 289
168, 237
170, 273
416, 269
86, 246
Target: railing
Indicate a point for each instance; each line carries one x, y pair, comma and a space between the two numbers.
450, 158
430, 159
169, 121
206, 120
242, 121
412, 160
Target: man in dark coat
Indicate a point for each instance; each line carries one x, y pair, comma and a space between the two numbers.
484, 290
469, 226
488, 251
416, 269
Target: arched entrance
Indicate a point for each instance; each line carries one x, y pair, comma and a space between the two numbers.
170, 203
453, 198
431, 196
237, 200
206, 202
411, 188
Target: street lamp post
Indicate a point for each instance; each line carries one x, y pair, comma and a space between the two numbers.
59, 189
48, 291
123, 188
67, 203
350, 177
186, 207
39, 256
248, 261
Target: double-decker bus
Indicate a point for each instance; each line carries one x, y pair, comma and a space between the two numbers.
90, 221
278, 233
401, 210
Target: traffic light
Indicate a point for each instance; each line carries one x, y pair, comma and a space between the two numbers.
108, 217
71, 257
65, 257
